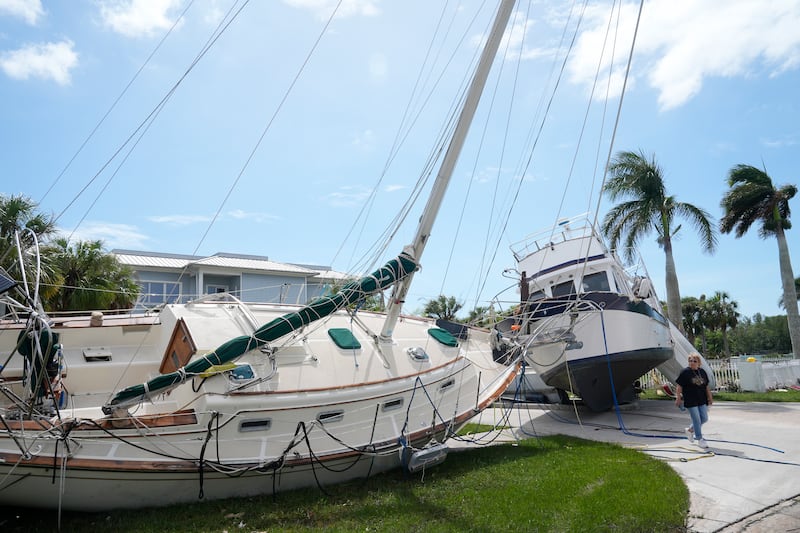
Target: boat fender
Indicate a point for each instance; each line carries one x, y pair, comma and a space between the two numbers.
642, 287
430, 455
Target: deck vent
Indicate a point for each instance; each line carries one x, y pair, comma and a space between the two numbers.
418, 354
93, 355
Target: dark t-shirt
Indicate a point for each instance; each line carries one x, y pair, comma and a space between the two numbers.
695, 385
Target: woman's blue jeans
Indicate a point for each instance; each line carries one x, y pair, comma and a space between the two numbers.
699, 416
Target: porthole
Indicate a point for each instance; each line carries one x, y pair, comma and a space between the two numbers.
391, 405
331, 416
446, 385
255, 424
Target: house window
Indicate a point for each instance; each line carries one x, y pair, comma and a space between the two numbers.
159, 292
216, 289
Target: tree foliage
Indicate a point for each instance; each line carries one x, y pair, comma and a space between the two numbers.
639, 181
761, 335
77, 276
20, 219
716, 328
90, 278
443, 307
752, 198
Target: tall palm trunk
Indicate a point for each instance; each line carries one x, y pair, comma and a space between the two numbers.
789, 293
673, 291
725, 347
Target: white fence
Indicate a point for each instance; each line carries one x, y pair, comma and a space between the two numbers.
740, 374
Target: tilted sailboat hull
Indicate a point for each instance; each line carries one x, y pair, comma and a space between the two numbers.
243, 400
112, 470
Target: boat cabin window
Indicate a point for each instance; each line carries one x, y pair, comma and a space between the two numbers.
563, 289
256, 424
536, 295
331, 416
596, 282
397, 403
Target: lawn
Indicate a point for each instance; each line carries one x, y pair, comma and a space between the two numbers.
782, 395
554, 483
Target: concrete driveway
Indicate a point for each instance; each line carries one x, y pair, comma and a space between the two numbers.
747, 481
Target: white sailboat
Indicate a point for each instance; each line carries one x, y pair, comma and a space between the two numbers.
215, 398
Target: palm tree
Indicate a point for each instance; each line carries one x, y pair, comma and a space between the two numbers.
796, 290
724, 315
17, 214
752, 198
480, 316
640, 179
692, 317
90, 278
443, 307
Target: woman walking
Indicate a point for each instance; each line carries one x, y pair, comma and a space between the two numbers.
694, 394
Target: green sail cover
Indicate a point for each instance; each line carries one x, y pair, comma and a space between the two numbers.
391, 272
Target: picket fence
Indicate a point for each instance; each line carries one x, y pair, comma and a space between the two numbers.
771, 373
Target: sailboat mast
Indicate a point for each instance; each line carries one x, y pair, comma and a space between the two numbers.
449, 162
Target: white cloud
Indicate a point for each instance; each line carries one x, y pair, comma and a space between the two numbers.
238, 214
515, 41
681, 44
138, 18
395, 188
29, 10
46, 61
112, 235
779, 143
323, 8
179, 220
348, 197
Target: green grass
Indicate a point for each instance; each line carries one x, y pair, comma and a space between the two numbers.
788, 395
553, 484
472, 429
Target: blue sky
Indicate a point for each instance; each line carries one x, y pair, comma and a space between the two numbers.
712, 85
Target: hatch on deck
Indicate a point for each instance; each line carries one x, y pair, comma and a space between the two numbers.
180, 349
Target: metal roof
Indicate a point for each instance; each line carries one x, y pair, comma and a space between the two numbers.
252, 263
333, 275
139, 259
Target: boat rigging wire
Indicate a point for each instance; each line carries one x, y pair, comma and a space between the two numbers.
148, 120
526, 164
116, 101
400, 137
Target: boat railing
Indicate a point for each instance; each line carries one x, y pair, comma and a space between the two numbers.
577, 227
544, 321
243, 314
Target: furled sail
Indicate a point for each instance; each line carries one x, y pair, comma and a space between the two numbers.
391, 272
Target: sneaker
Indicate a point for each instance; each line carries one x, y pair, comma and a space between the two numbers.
690, 433
702, 443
